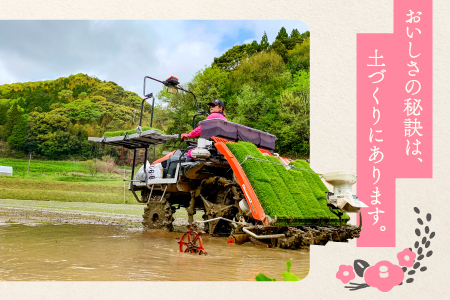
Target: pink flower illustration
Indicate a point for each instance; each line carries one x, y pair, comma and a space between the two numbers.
406, 258
345, 274
384, 276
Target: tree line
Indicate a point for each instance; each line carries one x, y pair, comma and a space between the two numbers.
265, 86
53, 118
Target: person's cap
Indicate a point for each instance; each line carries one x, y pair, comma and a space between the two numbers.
216, 102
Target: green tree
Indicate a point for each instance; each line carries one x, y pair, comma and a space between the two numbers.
114, 116
14, 116
233, 57
295, 33
262, 89
294, 39
133, 101
253, 109
264, 72
293, 124
279, 48
31, 139
55, 106
305, 35
92, 166
83, 111
253, 48
17, 139
50, 134
298, 58
4, 105
180, 111
209, 84
66, 95
264, 44
97, 98
82, 95
282, 34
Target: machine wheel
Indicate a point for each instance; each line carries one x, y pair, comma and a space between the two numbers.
158, 215
223, 195
191, 242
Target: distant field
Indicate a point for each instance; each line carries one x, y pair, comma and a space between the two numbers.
47, 167
51, 180
47, 189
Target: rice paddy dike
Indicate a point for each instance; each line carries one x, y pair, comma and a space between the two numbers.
296, 196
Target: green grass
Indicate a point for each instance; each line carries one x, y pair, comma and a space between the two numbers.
293, 196
111, 191
52, 180
53, 168
131, 131
49, 180
20, 166
84, 179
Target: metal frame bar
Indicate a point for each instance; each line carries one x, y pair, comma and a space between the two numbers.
178, 87
145, 163
150, 196
134, 193
162, 197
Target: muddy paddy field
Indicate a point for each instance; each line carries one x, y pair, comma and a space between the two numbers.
51, 240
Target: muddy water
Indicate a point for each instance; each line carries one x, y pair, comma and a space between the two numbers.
100, 252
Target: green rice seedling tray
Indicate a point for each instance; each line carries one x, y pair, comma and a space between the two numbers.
293, 196
131, 131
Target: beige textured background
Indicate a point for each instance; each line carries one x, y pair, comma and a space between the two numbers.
334, 24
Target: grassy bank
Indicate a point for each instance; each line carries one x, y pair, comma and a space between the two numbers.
20, 166
47, 167
51, 189
67, 181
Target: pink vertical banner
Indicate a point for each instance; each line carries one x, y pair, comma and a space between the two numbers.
394, 115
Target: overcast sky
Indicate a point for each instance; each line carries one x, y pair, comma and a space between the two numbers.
122, 51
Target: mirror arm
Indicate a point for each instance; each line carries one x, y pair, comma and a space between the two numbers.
195, 98
151, 79
199, 114
153, 105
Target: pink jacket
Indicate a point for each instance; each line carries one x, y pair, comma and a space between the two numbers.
197, 131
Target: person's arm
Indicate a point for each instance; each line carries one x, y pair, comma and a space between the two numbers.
194, 133
197, 131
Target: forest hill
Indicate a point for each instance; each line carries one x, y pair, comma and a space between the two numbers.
265, 86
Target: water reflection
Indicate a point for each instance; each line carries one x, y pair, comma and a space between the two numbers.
99, 252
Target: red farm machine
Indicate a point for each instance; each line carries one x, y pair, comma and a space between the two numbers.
244, 189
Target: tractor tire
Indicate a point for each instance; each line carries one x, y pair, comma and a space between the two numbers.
158, 215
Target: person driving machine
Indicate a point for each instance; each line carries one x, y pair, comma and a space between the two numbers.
217, 109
